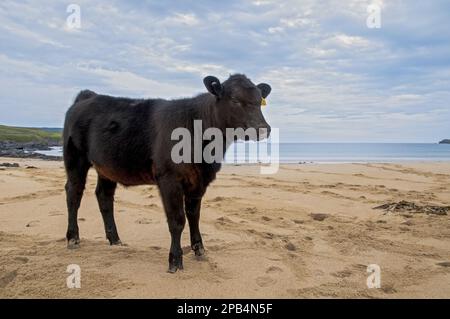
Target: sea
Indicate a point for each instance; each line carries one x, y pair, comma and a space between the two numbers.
328, 152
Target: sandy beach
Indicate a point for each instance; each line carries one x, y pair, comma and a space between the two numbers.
308, 231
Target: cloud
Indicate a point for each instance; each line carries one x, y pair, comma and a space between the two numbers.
347, 41
131, 83
297, 21
24, 33
184, 19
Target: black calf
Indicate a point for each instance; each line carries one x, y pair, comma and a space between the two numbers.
128, 141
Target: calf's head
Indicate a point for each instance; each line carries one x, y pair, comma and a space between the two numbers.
238, 103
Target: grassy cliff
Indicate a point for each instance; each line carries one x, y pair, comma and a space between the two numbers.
29, 134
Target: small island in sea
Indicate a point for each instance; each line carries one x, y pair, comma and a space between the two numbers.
446, 141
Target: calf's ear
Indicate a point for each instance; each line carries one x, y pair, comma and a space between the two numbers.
213, 85
265, 89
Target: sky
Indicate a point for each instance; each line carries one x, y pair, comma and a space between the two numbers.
333, 78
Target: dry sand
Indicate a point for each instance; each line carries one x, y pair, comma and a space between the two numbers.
260, 232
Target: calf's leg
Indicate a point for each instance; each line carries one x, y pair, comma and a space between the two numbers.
172, 198
192, 207
105, 196
76, 170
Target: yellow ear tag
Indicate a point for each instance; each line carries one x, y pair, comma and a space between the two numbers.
263, 102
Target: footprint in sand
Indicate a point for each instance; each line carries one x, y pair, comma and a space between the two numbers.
215, 247
359, 267
55, 213
143, 221
223, 220
342, 274
21, 259
273, 269
186, 249
7, 278
444, 264
265, 281
389, 289
319, 216
32, 223
251, 210
290, 246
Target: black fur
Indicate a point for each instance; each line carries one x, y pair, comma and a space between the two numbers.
128, 141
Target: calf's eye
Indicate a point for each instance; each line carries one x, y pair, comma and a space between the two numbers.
235, 101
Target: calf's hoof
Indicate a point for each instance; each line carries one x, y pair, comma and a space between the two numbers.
175, 263
73, 243
198, 249
116, 243
173, 268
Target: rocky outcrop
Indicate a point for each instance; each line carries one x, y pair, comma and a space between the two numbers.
26, 150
